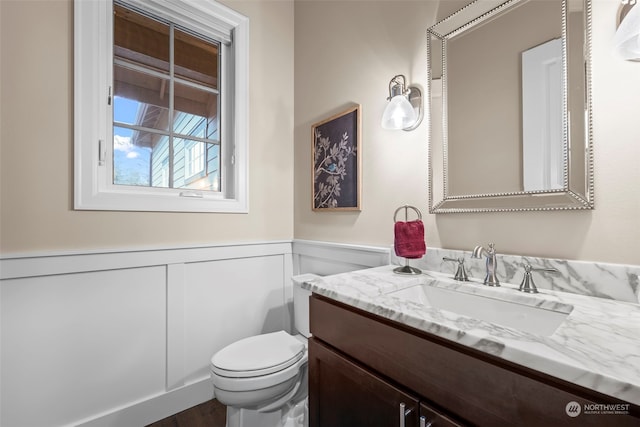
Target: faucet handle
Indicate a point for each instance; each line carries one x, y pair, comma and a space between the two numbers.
527, 284
461, 273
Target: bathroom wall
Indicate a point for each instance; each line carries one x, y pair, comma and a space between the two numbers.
36, 173
347, 52
111, 318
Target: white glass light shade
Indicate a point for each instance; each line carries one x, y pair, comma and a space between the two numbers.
399, 114
627, 38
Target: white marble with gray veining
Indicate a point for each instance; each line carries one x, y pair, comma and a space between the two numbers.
614, 281
597, 346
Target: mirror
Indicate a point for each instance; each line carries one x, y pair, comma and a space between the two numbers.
510, 107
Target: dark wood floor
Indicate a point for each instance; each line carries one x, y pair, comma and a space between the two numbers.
207, 414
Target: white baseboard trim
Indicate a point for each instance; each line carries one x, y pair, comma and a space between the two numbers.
156, 408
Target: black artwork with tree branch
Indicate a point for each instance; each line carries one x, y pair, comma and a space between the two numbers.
336, 162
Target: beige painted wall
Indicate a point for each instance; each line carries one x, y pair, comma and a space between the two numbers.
348, 51
37, 141
345, 51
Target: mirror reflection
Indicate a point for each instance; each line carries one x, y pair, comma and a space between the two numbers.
509, 105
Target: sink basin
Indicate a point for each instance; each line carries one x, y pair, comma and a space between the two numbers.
515, 315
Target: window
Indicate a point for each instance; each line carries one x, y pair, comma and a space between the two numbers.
160, 106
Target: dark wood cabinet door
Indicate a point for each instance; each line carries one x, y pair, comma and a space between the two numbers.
435, 418
343, 394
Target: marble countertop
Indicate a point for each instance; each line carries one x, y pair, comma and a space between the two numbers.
597, 346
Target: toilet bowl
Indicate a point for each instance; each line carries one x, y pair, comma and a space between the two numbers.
263, 379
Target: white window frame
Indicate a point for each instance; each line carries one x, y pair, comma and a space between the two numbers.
93, 115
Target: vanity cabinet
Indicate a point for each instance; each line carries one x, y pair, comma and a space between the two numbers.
345, 394
362, 367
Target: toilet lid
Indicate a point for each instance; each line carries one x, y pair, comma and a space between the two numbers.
258, 355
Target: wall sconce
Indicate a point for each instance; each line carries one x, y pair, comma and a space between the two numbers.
627, 38
404, 110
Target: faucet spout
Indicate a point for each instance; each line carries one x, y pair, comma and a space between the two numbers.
478, 252
490, 278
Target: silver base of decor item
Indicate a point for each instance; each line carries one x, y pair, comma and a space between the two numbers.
407, 269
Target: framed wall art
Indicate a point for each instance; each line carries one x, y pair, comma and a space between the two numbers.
336, 165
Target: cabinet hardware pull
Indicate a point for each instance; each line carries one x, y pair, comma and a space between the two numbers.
403, 413
424, 423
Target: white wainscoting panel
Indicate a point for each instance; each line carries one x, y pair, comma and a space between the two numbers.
124, 338
325, 258
175, 325
228, 300
76, 344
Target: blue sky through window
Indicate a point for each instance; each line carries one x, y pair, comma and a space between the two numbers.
125, 110
131, 163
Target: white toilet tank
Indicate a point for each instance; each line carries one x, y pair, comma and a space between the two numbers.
301, 303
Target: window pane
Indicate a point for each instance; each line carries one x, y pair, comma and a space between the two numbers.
130, 160
167, 155
196, 165
160, 173
195, 112
196, 59
140, 99
140, 39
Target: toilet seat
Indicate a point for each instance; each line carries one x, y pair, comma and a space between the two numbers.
258, 356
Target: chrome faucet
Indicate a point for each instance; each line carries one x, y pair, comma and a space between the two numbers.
490, 279
527, 284
461, 273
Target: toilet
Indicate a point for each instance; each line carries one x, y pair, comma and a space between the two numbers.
263, 379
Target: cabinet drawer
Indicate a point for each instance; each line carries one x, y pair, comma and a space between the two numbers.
433, 418
478, 388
